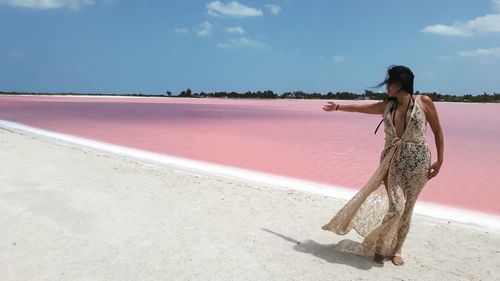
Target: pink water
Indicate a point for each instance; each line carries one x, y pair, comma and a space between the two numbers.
293, 138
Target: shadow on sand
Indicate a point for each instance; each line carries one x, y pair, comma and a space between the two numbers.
346, 252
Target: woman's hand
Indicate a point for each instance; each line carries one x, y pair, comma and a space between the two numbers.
433, 170
330, 107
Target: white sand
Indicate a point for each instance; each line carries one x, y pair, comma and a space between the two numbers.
70, 213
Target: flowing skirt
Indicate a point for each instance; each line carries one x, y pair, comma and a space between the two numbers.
381, 211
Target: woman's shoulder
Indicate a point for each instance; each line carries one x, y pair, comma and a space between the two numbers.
425, 102
385, 105
425, 98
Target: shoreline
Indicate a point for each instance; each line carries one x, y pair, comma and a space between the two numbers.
467, 217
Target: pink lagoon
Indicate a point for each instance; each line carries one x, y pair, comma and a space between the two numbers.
292, 138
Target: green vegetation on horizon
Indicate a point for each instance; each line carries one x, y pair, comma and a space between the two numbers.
368, 95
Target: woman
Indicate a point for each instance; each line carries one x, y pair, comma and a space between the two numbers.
382, 209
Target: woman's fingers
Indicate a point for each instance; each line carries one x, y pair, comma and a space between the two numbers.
329, 106
432, 172
429, 173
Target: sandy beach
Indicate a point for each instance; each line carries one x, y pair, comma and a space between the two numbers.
71, 213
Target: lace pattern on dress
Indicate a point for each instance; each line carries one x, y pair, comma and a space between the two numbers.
382, 214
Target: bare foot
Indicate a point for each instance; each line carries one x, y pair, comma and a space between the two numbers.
397, 260
379, 258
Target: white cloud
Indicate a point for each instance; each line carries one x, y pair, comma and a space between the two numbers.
235, 29
49, 4
232, 8
489, 23
482, 53
205, 29
446, 30
182, 30
275, 9
339, 58
242, 42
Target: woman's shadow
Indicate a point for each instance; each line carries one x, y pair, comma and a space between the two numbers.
346, 252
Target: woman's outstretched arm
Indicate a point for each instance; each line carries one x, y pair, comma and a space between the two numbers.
433, 119
369, 108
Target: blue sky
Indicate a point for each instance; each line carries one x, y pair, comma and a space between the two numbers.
151, 46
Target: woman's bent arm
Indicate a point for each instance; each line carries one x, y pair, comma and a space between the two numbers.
433, 119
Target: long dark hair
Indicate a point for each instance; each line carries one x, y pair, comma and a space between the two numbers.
397, 73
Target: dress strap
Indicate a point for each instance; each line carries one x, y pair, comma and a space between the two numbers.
379, 125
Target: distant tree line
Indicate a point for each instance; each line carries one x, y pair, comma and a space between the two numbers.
367, 95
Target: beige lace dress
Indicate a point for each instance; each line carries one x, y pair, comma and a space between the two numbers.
381, 212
